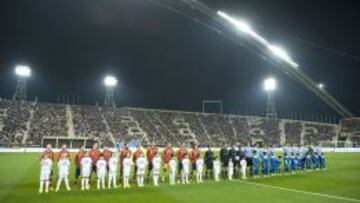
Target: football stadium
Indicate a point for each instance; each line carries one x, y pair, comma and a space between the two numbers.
179, 101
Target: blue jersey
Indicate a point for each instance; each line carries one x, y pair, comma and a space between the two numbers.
316, 161
273, 162
299, 162
308, 162
322, 162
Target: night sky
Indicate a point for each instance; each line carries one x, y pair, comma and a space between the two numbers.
164, 60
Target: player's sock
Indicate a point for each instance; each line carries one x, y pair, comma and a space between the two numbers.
103, 183
82, 183
41, 186
98, 183
67, 184
58, 185
47, 183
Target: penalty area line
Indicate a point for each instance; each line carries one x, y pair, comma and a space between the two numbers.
302, 191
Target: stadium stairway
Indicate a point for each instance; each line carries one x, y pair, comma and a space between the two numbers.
69, 122
28, 126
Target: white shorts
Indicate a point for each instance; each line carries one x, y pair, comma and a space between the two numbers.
85, 173
126, 173
156, 171
63, 175
45, 175
101, 174
140, 171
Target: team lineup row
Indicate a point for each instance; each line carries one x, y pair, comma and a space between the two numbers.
180, 165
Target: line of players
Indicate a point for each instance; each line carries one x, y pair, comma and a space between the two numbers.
233, 163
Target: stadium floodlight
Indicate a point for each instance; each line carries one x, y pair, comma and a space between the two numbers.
281, 53
270, 84
110, 81
22, 71
321, 86
243, 27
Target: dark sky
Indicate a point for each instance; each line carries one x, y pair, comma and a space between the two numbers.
164, 60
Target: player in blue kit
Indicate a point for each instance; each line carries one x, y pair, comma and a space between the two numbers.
286, 163
255, 164
308, 162
316, 161
322, 161
292, 163
299, 163
265, 164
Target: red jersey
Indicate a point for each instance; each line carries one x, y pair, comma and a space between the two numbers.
123, 153
136, 155
150, 153
94, 155
195, 154
63, 151
167, 154
78, 157
182, 154
49, 153
107, 154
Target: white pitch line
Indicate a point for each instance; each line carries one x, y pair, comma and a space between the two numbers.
303, 192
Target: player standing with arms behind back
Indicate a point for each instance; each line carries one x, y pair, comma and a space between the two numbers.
45, 170
140, 173
172, 170
85, 164
156, 165
101, 172
126, 169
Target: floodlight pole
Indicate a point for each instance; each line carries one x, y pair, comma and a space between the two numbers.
109, 97
271, 112
20, 91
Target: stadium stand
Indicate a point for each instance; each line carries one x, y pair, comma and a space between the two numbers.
29, 123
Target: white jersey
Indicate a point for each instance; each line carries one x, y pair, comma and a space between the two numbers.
185, 165
199, 165
86, 164
216, 166
156, 162
126, 166
113, 164
64, 166
46, 165
141, 165
101, 166
172, 165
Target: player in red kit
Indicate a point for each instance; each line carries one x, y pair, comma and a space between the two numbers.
107, 155
78, 157
94, 155
150, 154
51, 155
63, 151
194, 155
181, 154
135, 156
123, 155
167, 154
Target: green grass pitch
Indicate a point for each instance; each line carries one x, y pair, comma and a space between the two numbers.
19, 174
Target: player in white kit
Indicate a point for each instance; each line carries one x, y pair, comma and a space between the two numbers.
230, 169
140, 173
63, 168
185, 170
217, 169
112, 163
86, 164
45, 171
156, 163
172, 172
243, 165
199, 170
101, 172
126, 165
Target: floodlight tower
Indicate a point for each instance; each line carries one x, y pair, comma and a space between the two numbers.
110, 83
22, 72
270, 87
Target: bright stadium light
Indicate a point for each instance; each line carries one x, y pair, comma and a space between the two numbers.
281, 53
321, 86
110, 81
243, 27
270, 84
22, 71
